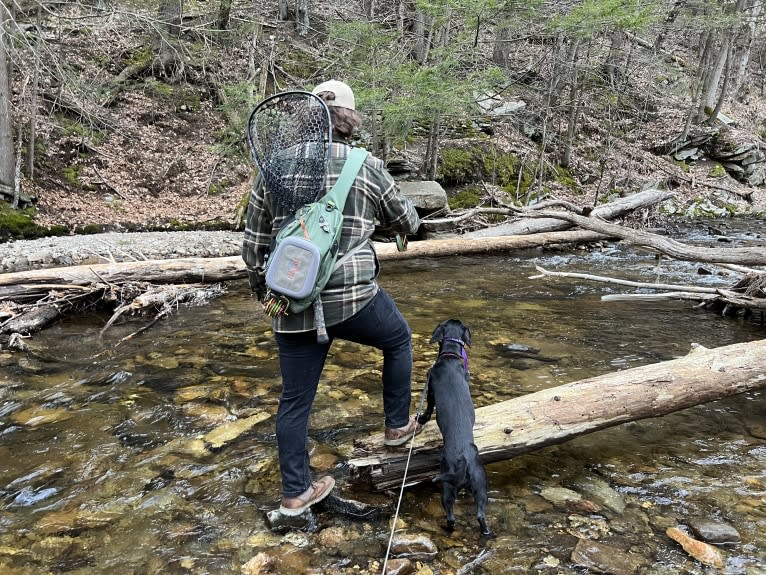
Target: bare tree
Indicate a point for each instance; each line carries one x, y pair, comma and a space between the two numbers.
7, 153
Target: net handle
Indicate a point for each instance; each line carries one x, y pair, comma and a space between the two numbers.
265, 103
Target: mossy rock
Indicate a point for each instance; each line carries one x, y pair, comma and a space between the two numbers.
479, 162
468, 198
20, 224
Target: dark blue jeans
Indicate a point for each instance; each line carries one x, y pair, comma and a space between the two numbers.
301, 359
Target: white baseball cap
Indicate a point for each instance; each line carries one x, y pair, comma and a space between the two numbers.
344, 97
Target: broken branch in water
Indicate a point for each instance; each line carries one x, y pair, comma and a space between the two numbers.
591, 277
747, 294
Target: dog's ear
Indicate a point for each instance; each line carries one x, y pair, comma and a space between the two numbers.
466, 335
438, 333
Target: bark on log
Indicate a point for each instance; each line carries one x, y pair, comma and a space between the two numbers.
33, 284
555, 415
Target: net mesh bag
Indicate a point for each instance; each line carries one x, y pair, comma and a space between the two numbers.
289, 136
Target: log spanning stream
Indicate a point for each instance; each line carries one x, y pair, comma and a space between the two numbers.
158, 455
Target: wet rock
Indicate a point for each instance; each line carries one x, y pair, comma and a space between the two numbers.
29, 496
258, 565
284, 523
592, 527
560, 496
37, 416
290, 559
716, 532
415, 547
701, 551
632, 522
52, 549
535, 504
400, 567
757, 430
228, 432
601, 492
350, 508
602, 558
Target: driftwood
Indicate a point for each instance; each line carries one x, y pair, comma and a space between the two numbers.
748, 293
673, 248
543, 223
555, 415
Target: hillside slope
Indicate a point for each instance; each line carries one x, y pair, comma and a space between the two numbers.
163, 153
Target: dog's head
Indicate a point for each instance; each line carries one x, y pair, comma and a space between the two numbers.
452, 329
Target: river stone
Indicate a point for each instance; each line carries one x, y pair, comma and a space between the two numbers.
716, 532
757, 430
228, 432
36, 416
415, 547
400, 567
601, 492
259, 564
560, 496
602, 558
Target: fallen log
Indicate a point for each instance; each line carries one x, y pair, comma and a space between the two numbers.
741, 256
541, 224
555, 415
34, 284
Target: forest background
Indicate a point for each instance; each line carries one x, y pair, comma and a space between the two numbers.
131, 115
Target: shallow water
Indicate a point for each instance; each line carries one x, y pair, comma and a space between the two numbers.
102, 469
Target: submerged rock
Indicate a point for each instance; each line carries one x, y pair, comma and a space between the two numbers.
414, 547
601, 492
601, 558
701, 551
716, 532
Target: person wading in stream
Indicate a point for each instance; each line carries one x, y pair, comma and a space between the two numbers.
356, 308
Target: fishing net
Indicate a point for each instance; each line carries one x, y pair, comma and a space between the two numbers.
289, 136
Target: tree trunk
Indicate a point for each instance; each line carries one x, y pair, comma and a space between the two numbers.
284, 10
501, 47
555, 415
170, 13
224, 15
7, 153
302, 17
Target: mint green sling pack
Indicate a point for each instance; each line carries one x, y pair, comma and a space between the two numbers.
306, 246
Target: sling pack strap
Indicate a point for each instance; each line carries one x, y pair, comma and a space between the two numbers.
339, 194
340, 190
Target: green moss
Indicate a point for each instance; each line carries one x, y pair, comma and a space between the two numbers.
19, 224
142, 56
717, 171
157, 89
74, 127
72, 175
458, 165
468, 198
700, 207
563, 176
90, 229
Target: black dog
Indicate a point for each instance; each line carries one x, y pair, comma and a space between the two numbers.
448, 392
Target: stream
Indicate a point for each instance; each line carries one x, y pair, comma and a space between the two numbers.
155, 453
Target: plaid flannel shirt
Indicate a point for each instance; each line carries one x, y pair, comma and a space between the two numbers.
374, 198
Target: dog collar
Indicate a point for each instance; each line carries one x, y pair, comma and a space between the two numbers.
463, 355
